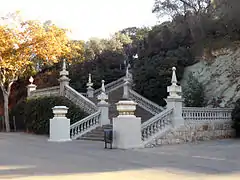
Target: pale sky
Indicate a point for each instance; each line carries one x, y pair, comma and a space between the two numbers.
86, 18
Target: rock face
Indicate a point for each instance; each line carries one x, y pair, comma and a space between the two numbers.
221, 78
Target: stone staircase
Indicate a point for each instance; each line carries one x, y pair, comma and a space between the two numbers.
113, 97
96, 134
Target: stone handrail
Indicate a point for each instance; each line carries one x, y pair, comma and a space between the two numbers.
156, 126
84, 94
111, 86
144, 103
206, 114
85, 125
84, 103
51, 91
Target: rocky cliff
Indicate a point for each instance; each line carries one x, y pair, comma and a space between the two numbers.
220, 77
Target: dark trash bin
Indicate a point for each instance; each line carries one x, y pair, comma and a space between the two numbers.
108, 137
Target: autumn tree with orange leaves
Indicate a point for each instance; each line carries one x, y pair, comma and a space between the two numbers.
20, 42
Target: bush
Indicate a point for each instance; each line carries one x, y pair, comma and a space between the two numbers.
33, 115
194, 93
236, 118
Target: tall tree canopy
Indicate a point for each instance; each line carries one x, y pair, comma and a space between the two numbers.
181, 7
20, 42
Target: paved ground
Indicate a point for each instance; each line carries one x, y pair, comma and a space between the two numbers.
26, 157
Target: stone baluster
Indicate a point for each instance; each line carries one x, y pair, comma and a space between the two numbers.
90, 90
31, 87
127, 127
174, 100
64, 80
59, 125
103, 106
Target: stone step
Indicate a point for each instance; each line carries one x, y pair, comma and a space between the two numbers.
94, 135
92, 138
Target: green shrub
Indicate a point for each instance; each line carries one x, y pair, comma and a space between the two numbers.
33, 115
194, 93
236, 118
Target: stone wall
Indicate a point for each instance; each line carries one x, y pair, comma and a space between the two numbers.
193, 132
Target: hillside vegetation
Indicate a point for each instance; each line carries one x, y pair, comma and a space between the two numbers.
195, 30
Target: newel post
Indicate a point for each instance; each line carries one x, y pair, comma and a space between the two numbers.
175, 101
103, 106
90, 90
64, 80
31, 87
126, 85
127, 127
59, 125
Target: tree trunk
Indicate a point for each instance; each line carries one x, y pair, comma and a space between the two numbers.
6, 113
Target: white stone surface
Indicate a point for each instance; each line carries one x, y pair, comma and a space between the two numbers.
127, 127
176, 104
104, 117
59, 125
126, 89
126, 108
31, 88
127, 132
90, 92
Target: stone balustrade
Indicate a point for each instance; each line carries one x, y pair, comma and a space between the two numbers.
111, 86
46, 92
85, 125
154, 127
84, 103
206, 114
144, 103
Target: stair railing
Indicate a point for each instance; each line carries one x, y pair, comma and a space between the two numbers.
85, 125
111, 86
144, 103
156, 126
77, 98
50, 91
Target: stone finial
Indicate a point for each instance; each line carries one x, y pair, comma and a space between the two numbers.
103, 86
64, 71
89, 84
174, 89
89, 78
174, 77
103, 96
64, 65
127, 72
31, 80
31, 87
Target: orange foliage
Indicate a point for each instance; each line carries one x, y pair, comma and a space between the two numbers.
21, 40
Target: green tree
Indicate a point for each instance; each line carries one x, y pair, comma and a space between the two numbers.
236, 118
193, 93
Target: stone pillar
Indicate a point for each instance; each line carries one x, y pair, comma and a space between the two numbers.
90, 90
174, 100
103, 106
127, 127
59, 125
31, 87
126, 85
64, 80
